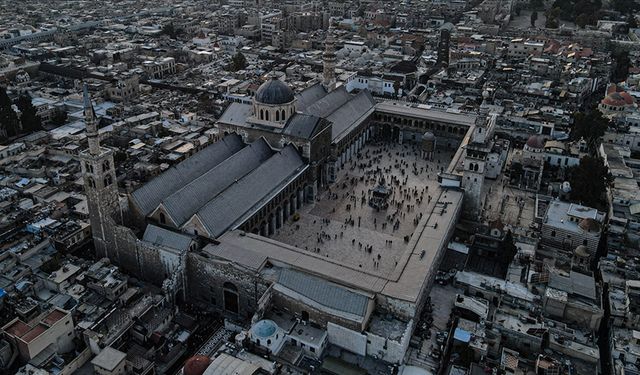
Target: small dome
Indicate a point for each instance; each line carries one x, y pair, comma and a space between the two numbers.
196, 365
589, 225
536, 141
429, 136
274, 91
264, 328
582, 251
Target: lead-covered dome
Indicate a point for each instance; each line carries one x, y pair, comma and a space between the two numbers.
274, 92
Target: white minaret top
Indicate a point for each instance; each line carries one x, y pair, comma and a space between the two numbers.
90, 121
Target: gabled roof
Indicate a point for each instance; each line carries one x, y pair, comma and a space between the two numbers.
148, 197
309, 96
326, 105
302, 126
248, 194
166, 238
325, 293
185, 202
351, 113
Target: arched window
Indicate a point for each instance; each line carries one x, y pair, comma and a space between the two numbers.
475, 167
282, 114
231, 300
107, 180
105, 166
266, 115
91, 182
261, 114
277, 115
163, 219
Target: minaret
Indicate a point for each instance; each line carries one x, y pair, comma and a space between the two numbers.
329, 62
100, 185
90, 122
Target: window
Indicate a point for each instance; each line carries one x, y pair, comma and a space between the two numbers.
553, 233
163, 219
107, 180
277, 115
313, 350
269, 342
266, 115
261, 114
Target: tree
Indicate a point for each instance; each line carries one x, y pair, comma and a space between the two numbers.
8, 117
59, 117
534, 18
632, 23
170, 30
590, 126
508, 249
396, 87
589, 181
29, 117
238, 62
582, 20
622, 63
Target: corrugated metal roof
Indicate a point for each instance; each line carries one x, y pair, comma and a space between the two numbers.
149, 196
228, 207
324, 293
185, 202
167, 238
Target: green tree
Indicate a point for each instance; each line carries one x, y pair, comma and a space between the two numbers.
8, 117
590, 126
589, 181
238, 62
29, 117
534, 18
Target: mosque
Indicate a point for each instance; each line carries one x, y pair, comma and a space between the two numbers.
201, 230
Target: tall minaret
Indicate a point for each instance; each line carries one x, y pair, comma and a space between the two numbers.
100, 185
329, 62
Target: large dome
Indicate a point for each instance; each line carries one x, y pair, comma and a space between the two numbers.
274, 91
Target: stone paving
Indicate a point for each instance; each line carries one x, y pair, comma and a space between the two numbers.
341, 225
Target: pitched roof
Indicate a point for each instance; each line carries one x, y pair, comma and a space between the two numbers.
182, 204
326, 105
148, 197
167, 238
309, 96
324, 293
302, 126
351, 113
246, 195
236, 114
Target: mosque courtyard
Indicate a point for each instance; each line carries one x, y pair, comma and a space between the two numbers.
343, 226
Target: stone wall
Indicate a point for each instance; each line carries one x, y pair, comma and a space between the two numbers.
205, 285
